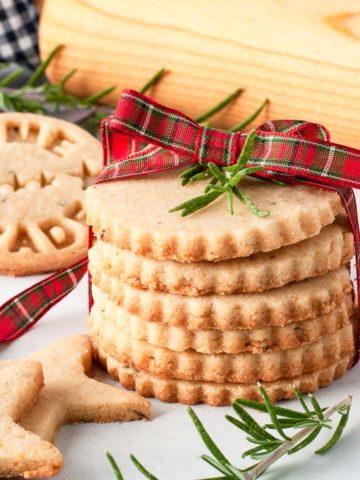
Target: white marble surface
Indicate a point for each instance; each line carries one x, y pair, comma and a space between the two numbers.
169, 445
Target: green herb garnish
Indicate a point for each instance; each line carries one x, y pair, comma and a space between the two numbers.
153, 80
268, 447
223, 180
46, 97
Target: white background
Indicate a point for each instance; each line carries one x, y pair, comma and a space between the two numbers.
169, 445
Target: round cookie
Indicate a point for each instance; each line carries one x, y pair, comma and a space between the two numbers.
179, 339
294, 302
261, 271
45, 166
221, 367
217, 394
133, 215
47, 235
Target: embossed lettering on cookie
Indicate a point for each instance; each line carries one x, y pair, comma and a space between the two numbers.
45, 166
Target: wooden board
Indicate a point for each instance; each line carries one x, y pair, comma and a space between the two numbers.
302, 54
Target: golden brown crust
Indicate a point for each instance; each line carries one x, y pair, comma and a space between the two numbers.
262, 271
278, 307
106, 312
45, 165
70, 396
22, 452
219, 368
297, 213
170, 390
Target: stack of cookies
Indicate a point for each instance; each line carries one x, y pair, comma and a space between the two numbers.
199, 309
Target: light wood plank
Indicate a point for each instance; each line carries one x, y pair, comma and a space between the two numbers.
302, 54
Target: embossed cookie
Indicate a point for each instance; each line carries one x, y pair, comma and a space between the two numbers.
22, 452
172, 390
220, 368
261, 271
106, 314
45, 165
133, 215
278, 307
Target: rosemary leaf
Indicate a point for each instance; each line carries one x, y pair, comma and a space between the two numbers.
252, 424
195, 204
246, 201
190, 171
200, 176
115, 466
98, 96
11, 77
142, 469
217, 465
67, 77
307, 440
260, 407
212, 447
251, 118
153, 81
272, 412
245, 152
40, 71
220, 106
254, 436
229, 195
216, 172
301, 399
208, 187
337, 434
316, 406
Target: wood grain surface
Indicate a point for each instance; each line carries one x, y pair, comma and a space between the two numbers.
302, 54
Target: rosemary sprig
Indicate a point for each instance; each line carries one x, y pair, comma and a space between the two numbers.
220, 106
46, 97
153, 80
269, 447
114, 466
227, 177
241, 126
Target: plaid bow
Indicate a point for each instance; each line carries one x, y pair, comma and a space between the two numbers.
296, 151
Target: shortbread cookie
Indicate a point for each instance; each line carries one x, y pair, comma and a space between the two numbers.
45, 165
261, 271
133, 215
222, 367
292, 303
36, 148
40, 228
22, 452
106, 313
217, 394
70, 396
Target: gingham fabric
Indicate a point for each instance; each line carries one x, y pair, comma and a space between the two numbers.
18, 32
297, 151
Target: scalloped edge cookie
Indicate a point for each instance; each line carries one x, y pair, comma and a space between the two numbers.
262, 271
222, 367
217, 394
178, 339
294, 302
133, 215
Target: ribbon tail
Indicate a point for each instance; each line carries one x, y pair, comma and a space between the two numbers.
25, 309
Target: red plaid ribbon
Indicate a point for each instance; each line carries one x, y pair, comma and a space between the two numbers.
296, 151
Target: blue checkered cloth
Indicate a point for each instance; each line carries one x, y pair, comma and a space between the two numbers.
18, 32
